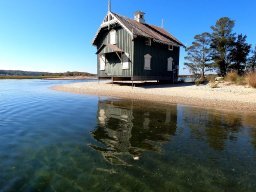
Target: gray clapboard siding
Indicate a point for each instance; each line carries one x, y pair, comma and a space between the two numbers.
114, 65
159, 60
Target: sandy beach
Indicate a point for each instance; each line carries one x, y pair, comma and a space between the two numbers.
228, 97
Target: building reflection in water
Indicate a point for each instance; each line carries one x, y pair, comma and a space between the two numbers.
127, 129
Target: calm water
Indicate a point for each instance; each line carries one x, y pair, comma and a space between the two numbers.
54, 141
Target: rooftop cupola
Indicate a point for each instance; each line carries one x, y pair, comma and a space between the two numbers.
139, 16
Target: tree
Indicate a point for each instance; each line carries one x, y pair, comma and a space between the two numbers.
239, 54
199, 55
252, 61
222, 43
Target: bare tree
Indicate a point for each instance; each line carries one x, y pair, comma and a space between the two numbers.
198, 59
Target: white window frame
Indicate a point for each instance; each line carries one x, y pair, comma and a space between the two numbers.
112, 37
102, 59
170, 64
147, 62
126, 61
170, 47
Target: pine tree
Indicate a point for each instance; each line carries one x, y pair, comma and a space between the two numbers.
252, 61
222, 43
198, 55
239, 54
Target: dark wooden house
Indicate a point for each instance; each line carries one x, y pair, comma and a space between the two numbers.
131, 49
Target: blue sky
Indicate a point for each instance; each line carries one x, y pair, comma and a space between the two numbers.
56, 35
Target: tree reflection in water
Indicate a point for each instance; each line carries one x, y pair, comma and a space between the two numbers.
213, 127
127, 129
249, 120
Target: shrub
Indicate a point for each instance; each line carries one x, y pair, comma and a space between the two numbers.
251, 79
211, 78
232, 76
241, 80
200, 81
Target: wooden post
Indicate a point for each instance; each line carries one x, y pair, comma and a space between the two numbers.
173, 76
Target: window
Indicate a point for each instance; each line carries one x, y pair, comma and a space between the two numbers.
147, 62
106, 19
102, 62
113, 37
148, 42
170, 47
126, 61
170, 64
110, 17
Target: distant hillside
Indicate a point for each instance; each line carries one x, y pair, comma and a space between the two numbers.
36, 73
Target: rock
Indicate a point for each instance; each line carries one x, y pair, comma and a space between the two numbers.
214, 85
219, 78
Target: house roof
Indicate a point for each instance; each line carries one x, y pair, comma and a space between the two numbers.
112, 48
149, 31
138, 29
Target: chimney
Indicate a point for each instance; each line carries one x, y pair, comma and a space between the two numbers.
139, 17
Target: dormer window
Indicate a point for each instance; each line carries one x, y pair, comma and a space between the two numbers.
148, 42
170, 47
112, 37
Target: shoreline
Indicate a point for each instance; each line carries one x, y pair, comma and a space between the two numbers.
72, 78
48, 77
231, 97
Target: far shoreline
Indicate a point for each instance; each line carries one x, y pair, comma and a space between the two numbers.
48, 77
232, 98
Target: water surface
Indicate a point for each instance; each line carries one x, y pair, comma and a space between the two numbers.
55, 141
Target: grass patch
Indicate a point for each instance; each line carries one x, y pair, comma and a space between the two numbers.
234, 78
251, 79
211, 78
241, 80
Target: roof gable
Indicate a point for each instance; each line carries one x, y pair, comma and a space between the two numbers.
109, 20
